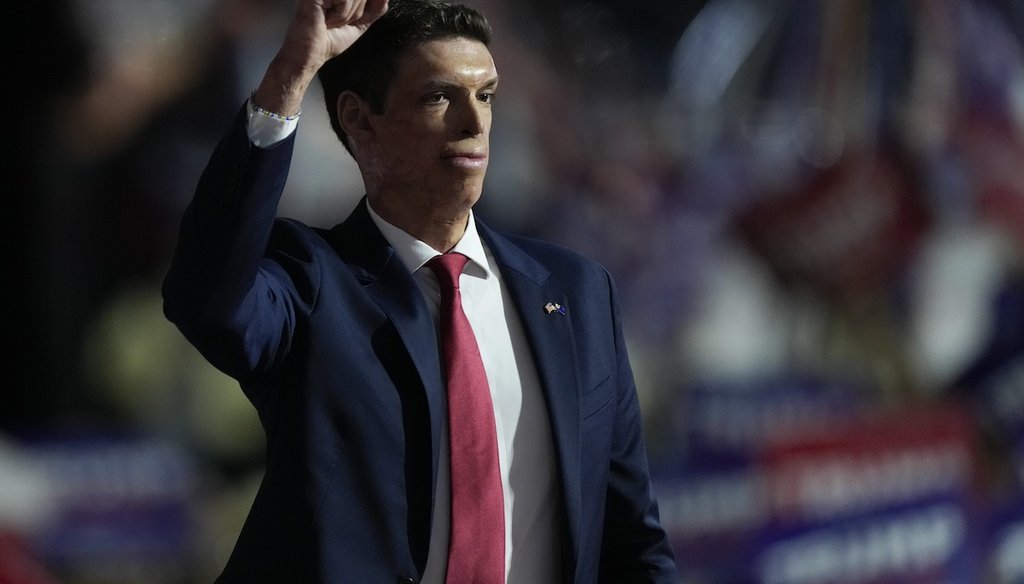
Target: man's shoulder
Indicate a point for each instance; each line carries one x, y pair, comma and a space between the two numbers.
297, 240
287, 230
542, 248
560, 261
354, 242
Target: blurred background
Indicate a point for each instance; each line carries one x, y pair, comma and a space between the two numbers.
814, 212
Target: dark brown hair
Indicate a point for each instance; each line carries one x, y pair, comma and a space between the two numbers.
368, 66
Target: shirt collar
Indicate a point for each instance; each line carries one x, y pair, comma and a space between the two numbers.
414, 253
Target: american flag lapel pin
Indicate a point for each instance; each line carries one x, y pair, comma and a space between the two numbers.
551, 307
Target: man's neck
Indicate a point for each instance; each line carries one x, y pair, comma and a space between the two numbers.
439, 231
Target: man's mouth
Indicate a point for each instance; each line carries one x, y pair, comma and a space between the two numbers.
467, 159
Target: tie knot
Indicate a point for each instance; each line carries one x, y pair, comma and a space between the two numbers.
448, 268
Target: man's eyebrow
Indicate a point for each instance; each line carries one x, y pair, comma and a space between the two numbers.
441, 85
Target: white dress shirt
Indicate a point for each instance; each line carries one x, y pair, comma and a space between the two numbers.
533, 517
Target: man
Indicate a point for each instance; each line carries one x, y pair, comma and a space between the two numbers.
426, 421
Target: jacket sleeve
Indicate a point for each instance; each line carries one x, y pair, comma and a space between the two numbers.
233, 301
635, 548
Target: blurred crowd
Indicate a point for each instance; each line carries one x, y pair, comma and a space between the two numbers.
814, 212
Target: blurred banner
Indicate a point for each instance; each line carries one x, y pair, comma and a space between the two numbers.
819, 490
101, 509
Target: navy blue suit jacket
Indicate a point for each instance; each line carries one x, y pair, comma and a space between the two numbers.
331, 340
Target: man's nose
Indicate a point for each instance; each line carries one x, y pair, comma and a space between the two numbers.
473, 118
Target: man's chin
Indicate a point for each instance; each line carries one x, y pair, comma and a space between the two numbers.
467, 189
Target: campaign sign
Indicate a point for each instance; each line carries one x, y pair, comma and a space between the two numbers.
716, 424
712, 518
926, 542
872, 498
887, 459
118, 504
713, 493
886, 498
848, 230
992, 148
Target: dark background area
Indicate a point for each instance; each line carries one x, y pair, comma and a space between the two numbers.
814, 212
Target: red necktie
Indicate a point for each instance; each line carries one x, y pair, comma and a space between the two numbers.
476, 547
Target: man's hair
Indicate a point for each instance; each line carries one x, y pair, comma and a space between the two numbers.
369, 65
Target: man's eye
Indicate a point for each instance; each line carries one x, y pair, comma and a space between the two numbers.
487, 97
435, 98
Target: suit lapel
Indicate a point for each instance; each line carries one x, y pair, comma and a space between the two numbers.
361, 245
554, 353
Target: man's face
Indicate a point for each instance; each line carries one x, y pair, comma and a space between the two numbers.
429, 148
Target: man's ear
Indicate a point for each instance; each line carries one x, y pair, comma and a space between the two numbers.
354, 116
